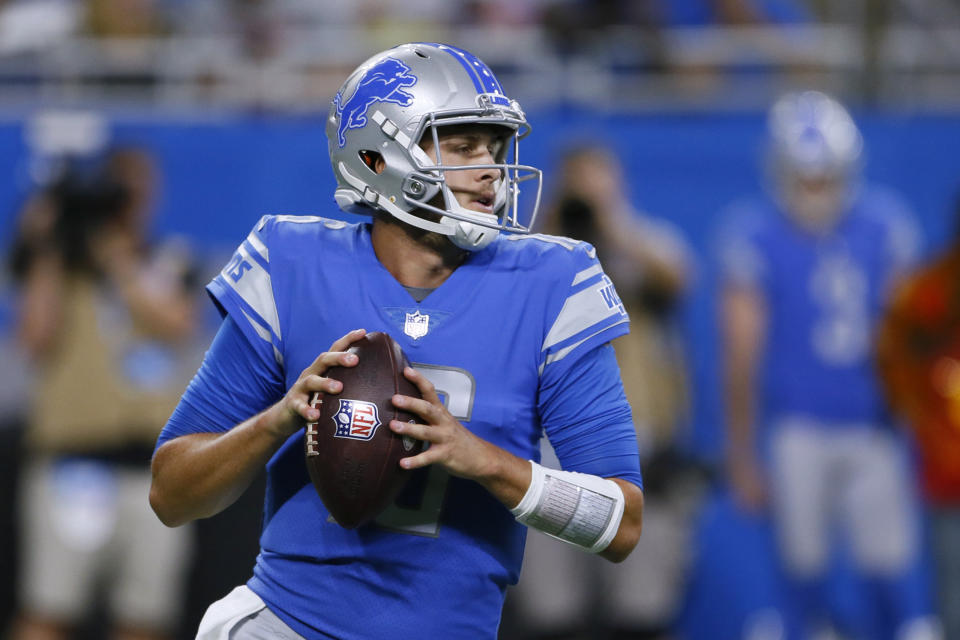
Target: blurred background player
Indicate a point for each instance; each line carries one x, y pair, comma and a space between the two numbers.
919, 355
806, 273
566, 594
105, 315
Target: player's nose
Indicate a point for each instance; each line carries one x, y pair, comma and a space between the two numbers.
488, 173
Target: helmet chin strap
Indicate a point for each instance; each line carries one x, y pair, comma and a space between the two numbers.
468, 235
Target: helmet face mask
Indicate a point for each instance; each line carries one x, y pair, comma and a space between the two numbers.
815, 155
411, 95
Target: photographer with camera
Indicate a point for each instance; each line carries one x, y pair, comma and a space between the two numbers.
106, 317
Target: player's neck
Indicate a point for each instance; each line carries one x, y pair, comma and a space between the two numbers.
414, 259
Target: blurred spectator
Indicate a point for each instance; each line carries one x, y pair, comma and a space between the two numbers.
580, 27
734, 12
919, 358
499, 12
805, 275
564, 593
124, 18
32, 25
104, 313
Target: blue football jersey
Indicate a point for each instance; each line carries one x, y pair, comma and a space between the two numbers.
502, 339
824, 295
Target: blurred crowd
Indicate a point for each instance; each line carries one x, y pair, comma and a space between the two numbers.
286, 53
264, 20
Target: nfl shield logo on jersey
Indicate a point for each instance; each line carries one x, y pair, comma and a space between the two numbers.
416, 325
356, 419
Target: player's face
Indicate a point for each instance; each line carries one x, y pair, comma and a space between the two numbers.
474, 189
815, 202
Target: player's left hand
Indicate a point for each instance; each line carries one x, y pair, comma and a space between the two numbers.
452, 446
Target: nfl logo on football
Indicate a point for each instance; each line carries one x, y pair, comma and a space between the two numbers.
356, 419
416, 325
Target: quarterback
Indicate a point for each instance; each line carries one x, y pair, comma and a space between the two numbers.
508, 333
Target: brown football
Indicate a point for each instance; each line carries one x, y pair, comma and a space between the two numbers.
352, 455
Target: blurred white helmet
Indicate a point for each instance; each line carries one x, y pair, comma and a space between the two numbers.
393, 101
815, 152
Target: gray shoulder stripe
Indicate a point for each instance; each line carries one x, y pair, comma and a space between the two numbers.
256, 289
567, 243
299, 219
257, 244
580, 311
263, 333
563, 353
586, 274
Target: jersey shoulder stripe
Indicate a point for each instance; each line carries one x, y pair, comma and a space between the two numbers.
591, 309
542, 238
244, 288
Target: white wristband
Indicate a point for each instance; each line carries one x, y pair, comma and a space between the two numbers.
579, 508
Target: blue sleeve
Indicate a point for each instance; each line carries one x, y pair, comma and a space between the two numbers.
587, 418
235, 381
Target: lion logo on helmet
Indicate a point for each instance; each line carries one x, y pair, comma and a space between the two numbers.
384, 82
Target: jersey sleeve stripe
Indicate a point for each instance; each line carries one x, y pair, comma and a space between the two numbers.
303, 219
257, 245
586, 274
562, 353
255, 255
256, 289
265, 334
580, 311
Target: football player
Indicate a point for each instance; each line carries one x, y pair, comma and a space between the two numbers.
806, 273
509, 335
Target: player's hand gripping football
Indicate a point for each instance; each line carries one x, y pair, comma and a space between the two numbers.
295, 406
452, 446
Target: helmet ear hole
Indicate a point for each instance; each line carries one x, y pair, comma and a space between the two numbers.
373, 160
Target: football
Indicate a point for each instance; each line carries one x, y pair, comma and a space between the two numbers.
352, 455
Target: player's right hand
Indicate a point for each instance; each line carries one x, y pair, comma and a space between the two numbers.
295, 408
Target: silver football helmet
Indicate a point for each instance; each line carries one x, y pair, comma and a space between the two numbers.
815, 155
389, 104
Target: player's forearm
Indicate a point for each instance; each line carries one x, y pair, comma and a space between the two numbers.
581, 509
630, 525
744, 327
505, 475
199, 475
740, 412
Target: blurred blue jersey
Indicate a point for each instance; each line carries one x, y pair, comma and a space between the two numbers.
824, 294
514, 341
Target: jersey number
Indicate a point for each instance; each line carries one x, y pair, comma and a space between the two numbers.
417, 509
840, 335
237, 267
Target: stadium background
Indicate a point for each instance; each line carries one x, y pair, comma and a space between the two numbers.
688, 123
